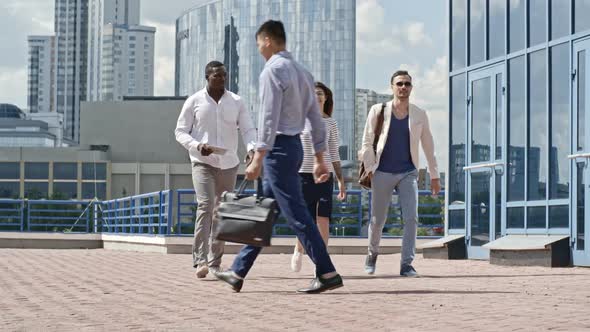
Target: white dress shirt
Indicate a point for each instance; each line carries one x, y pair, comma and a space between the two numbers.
203, 121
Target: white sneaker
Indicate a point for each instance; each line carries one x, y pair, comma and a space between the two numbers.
296, 261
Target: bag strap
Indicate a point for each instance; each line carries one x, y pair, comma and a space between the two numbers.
379, 127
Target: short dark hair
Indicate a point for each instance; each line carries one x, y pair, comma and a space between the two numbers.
329, 104
209, 67
399, 73
274, 30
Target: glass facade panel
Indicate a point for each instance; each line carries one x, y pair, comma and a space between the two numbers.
581, 14
580, 209
515, 217
498, 217
65, 171
537, 150
496, 35
36, 171
536, 217
480, 208
9, 171
516, 25
477, 31
65, 190
581, 92
94, 171
91, 190
458, 34
320, 34
559, 216
560, 122
481, 119
499, 116
516, 124
537, 22
458, 132
9, 189
560, 18
456, 219
36, 190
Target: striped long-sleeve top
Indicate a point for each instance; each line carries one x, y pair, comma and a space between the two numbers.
330, 155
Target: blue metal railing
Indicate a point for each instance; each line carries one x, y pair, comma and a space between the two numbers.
149, 213
12, 215
155, 214
394, 218
58, 215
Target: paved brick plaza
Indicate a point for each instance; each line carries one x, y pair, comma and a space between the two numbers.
99, 290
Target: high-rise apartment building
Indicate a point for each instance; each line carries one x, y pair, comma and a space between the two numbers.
40, 73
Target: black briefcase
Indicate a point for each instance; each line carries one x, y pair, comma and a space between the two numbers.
246, 219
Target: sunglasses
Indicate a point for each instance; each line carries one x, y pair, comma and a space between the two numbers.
407, 84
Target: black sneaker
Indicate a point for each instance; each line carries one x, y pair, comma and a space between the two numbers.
370, 263
408, 271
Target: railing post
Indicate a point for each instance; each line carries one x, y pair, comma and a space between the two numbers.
360, 212
22, 215
151, 212
170, 210
88, 217
178, 223
28, 215
117, 216
160, 213
131, 214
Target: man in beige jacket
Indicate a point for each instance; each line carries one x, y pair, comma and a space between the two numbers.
394, 166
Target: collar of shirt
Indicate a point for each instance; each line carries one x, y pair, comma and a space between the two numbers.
281, 54
208, 96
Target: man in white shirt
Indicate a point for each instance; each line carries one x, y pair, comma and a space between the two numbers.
208, 128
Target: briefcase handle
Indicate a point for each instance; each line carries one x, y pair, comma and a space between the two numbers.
242, 187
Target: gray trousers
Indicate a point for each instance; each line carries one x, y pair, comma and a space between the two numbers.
209, 182
406, 185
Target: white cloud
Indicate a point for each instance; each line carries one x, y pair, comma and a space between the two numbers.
39, 13
13, 86
375, 37
164, 58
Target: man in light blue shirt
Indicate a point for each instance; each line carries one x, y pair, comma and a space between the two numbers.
287, 96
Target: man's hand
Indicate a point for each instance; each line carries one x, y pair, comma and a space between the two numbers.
435, 186
205, 149
320, 170
254, 168
249, 158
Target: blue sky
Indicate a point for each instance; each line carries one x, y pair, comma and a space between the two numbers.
391, 34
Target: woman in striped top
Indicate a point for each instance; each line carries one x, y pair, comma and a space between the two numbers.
318, 196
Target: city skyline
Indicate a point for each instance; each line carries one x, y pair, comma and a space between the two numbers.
415, 41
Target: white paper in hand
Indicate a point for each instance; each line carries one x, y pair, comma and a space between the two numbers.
218, 150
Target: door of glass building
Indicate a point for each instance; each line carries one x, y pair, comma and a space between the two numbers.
580, 157
485, 162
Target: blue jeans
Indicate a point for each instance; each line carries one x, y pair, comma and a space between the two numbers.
282, 182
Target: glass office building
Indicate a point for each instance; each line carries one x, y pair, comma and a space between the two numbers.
518, 146
320, 35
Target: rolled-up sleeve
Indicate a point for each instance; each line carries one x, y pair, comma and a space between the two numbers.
271, 98
246, 126
184, 125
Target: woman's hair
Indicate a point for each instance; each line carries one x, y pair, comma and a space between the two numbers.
329, 104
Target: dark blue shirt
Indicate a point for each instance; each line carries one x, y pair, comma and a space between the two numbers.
396, 157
